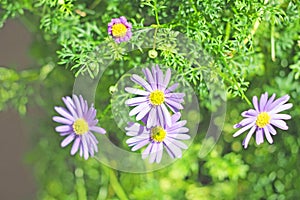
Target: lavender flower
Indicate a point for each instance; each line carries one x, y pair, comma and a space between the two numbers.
120, 29
262, 119
77, 123
151, 105
158, 138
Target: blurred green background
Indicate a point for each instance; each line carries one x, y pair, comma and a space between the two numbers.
255, 46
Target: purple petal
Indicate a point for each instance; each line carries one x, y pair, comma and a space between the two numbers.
150, 78
143, 113
270, 101
137, 139
174, 104
75, 146
85, 147
64, 128
178, 143
135, 101
255, 103
263, 101
138, 108
152, 118
167, 79
244, 129
71, 107
62, 120
136, 91
80, 149
123, 19
281, 116
160, 79
146, 152
175, 95
98, 129
271, 129
278, 102
248, 137
281, 108
92, 141
268, 135
176, 150
159, 152
137, 79
154, 74
160, 117
77, 106
177, 125
171, 88
179, 130
84, 104
280, 124
153, 153
259, 136
63, 112
175, 117
67, 140
246, 121
63, 134
250, 113
166, 114
179, 136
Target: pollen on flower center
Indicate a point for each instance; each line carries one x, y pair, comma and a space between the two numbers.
80, 126
119, 30
263, 119
157, 97
158, 134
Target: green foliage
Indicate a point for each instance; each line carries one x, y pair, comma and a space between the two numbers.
248, 46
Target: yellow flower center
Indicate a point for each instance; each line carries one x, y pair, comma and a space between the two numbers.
158, 134
119, 30
157, 97
262, 119
80, 126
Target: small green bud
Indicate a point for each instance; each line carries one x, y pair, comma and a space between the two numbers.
113, 89
152, 53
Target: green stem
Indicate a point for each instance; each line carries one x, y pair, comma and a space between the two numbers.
154, 38
246, 98
156, 12
273, 57
193, 5
80, 185
116, 185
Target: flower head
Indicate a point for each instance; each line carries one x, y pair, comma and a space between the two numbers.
78, 121
151, 105
159, 137
120, 29
263, 117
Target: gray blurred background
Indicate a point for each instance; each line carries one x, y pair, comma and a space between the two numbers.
16, 180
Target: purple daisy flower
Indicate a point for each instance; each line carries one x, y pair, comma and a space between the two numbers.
262, 119
158, 138
152, 105
120, 29
78, 121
